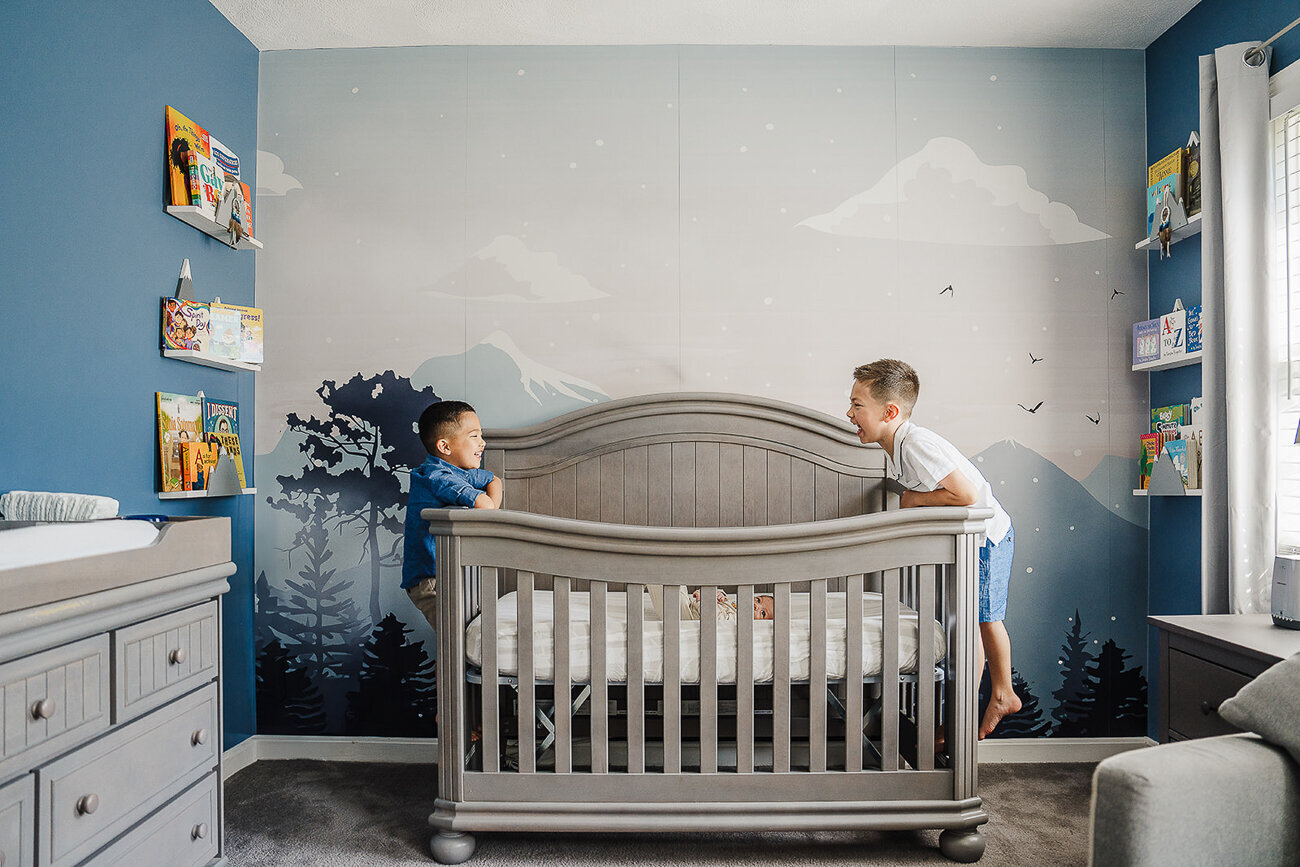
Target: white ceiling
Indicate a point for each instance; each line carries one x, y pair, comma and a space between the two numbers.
279, 24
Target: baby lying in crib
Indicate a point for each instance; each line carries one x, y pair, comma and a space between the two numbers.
689, 607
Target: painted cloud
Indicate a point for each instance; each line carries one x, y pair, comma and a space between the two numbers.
507, 270
271, 178
946, 194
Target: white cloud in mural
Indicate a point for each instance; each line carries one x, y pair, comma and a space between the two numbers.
271, 177
507, 270
946, 194
540, 381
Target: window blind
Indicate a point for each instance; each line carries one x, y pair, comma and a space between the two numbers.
1286, 229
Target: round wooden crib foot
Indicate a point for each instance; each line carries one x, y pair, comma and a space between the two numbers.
454, 847
964, 845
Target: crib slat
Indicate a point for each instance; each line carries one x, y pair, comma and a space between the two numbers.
889, 671
744, 680
755, 486
635, 680
683, 484
526, 723
488, 654
659, 462
451, 667
635, 485
963, 685
561, 680
611, 488
781, 681
853, 675
708, 680
817, 678
925, 671
706, 485
778, 488
731, 485
599, 683
672, 717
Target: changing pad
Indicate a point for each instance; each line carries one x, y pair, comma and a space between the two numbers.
48, 543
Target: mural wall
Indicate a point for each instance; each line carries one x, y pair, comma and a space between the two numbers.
538, 229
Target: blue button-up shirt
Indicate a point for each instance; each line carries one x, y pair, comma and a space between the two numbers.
435, 484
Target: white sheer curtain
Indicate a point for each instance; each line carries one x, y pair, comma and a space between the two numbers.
1239, 502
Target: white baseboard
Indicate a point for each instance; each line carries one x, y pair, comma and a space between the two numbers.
425, 750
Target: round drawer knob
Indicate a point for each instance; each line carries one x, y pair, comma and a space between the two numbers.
43, 709
199, 737
1207, 708
88, 804
199, 831
177, 656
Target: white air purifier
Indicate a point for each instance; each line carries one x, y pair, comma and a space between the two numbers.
1286, 591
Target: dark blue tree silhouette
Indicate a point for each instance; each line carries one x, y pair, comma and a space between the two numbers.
288, 701
357, 456
1027, 722
396, 693
1118, 695
1074, 699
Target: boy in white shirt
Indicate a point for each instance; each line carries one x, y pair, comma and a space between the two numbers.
936, 474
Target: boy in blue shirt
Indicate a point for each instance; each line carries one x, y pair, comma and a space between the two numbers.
450, 476
936, 474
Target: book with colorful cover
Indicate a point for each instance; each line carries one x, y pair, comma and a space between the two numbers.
184, 324
1173, 334
248, 208
179, 420
1170, 165
223, 331
1193, 328
230, 445
1164, 416
220, 416
1150, 447
1193, 172
207, 182
1156, 193
184, 137
250, 333
1177, 451
1146, 341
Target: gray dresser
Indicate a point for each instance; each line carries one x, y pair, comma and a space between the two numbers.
110, 704
1206, 658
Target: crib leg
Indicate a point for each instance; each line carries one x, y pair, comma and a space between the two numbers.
451, 847
964, 845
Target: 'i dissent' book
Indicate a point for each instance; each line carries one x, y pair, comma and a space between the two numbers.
220, 416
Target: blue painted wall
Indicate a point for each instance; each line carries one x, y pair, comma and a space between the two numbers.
1173, 108
88, 250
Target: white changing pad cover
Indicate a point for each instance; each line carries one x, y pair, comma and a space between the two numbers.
689, 657
48, 543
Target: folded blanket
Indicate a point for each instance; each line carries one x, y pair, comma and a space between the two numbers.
43, 506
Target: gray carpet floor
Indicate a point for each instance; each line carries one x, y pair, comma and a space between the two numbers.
353, 814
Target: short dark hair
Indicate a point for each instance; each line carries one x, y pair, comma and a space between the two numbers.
440, 420
891, 381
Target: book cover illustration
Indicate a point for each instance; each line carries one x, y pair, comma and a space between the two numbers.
184, 137
1193, 328
230, 445
1177, 451
1146, 341
220, 416
1197, 407
1170, 165
1173, 333
184, 324
223, 331
179, 420
1150, 447
1171, 185
207, 182
1175, 415
1193, 174
250, 333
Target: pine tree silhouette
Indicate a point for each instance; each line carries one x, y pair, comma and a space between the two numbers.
288, 702
1027, 722
396, 695
320, 623
1075, 698
1118, 695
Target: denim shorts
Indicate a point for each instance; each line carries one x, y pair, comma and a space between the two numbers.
995, 577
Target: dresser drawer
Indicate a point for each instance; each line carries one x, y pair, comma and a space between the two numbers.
90, 796
52, 700
181, 834
1196, 688
18, 822
159, 659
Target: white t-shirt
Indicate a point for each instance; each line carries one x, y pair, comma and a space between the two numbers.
922, 459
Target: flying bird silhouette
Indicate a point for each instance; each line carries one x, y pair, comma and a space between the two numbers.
1027, 409
1096, 420
1033, 360
1115, 292
947, 289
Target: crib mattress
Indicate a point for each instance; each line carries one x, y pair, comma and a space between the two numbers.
689, 655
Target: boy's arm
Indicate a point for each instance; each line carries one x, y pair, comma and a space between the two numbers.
495, 491
954, 490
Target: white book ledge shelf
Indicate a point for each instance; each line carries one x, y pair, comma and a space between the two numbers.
1166, 481
1193, 227
196, 357
193, 215
1169, 363
223, 483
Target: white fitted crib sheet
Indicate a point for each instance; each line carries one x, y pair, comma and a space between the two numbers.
689, 656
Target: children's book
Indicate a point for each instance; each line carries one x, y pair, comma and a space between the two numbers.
220, 416
184, 324
248, 208
184, 137
179, 420
1193, 172
1197, 407
250, 333
207, 182
1150, 447
1146, 341
1173, 333
1171, 184
1193, 332
230, 445
223, 331
1170, 165
1177, 451
1166, 416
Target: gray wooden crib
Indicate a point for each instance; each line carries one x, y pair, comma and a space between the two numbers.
854, 708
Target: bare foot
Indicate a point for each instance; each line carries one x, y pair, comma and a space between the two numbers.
999, 706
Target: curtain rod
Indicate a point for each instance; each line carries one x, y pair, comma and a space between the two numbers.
1255, 56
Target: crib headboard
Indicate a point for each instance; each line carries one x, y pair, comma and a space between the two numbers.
689, 460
